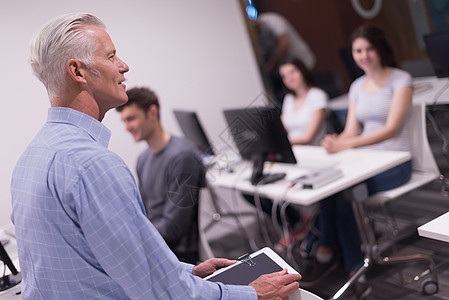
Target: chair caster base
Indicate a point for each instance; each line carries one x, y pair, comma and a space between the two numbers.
429, 286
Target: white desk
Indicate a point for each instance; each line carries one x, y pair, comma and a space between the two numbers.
437, 229
11, 294
427, 95
425, 91
357, 165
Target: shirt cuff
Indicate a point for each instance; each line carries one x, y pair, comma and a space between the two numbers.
238, 292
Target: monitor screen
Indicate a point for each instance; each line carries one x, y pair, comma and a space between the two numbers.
193, 131
437, 45
260, 136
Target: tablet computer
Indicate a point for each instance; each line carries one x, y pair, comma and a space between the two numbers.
250, 267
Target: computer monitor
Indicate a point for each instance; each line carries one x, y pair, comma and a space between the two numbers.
437, 45
7, 282
193, 131
260, 136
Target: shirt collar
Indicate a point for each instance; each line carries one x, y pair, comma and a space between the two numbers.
93, 127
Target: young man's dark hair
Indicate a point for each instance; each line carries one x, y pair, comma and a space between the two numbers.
142, 97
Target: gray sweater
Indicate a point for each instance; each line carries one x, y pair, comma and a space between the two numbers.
169, 183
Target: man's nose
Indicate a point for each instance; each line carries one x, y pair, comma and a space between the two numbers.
123, 66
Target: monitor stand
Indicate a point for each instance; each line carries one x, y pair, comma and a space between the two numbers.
8, 281
258, 177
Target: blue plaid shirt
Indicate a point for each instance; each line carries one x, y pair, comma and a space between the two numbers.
81, 228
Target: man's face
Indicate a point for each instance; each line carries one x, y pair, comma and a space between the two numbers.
140, 124
106, 83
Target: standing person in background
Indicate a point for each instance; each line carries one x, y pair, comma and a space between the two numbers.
170, 174
279, 40
378, 114
304, 107
81, 228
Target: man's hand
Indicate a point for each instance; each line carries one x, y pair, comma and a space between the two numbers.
211, 265
275, 285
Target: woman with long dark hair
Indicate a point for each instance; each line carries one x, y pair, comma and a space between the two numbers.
378, 113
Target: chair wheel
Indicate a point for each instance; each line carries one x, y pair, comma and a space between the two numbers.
429, 287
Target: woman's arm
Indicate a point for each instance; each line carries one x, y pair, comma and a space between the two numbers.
352, 125
334, 143
315, 123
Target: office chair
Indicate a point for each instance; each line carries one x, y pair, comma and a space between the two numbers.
329, 81
335, 121
351, 68
424, 171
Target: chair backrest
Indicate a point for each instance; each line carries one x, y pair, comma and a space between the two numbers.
348, 61
423, 159
335, 120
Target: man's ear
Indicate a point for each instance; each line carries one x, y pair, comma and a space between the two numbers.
153, 110
76, 71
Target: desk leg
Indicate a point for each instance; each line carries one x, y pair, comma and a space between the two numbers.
219, 214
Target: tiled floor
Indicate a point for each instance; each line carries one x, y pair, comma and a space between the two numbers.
227, 239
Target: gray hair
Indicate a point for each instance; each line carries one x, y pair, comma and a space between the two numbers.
59, 40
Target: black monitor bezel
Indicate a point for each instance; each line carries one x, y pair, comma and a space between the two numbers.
193, 130
7, 260
437, 45
259, 136
8, 281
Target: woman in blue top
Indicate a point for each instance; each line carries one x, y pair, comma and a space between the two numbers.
378, 113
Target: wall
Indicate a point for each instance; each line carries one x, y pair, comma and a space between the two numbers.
196, 54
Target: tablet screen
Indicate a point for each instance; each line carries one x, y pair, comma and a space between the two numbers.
244, 274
